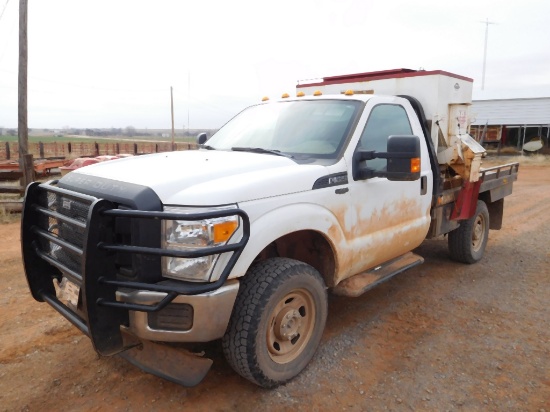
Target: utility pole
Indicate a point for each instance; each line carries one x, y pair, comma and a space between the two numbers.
25, 159
486, 22
172, 106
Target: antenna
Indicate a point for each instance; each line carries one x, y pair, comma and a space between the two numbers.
486, 22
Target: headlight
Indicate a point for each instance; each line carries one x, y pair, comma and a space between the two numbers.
189, 235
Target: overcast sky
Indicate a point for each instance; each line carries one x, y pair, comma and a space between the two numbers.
106, 63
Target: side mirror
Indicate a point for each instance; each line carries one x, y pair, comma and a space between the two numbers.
201, 138
403, 160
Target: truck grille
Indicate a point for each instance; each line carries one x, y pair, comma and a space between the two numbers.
65, 218
62, 225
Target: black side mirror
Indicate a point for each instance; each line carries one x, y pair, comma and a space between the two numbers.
359, 171
403, 160
201, 138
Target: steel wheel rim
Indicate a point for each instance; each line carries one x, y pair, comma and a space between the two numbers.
291, 325
478, 234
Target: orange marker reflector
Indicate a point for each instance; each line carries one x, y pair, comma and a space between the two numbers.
223, 231
300, 94
348, 92
285, 95
265, 99
415, 165
317, 93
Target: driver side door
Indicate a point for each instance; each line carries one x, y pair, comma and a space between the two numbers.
389, 218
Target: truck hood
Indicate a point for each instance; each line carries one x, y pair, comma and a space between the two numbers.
207, 177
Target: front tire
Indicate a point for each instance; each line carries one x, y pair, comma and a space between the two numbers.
277, 322
467, 243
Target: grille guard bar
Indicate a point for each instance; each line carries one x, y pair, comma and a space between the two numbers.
99, 314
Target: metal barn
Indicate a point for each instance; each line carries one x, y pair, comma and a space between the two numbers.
512, 122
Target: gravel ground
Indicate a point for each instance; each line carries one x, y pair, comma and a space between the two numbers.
441, 336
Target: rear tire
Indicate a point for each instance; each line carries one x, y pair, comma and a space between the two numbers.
467, 243
277, 322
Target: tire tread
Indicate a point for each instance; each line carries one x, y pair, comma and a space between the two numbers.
238, 343
460, 239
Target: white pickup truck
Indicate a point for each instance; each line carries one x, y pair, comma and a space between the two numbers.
240, 240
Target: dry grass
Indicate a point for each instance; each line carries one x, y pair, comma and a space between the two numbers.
508, 151
8, 217
535, 159
7, 200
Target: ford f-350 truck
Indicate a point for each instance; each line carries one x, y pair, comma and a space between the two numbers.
240, 240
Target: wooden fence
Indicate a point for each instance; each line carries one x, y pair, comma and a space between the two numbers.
71, 150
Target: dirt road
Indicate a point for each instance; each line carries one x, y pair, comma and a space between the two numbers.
442, 336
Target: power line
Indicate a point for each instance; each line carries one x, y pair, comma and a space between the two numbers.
8, 37
4, 9
91, 87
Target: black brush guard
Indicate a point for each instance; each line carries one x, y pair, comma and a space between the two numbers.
64, 233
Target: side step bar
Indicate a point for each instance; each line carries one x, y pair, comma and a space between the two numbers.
362, 282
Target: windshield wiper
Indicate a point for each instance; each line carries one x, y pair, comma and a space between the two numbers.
261, 150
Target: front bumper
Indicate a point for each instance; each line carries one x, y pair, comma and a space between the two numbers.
202, 318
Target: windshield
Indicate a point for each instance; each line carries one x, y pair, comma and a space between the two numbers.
305, 128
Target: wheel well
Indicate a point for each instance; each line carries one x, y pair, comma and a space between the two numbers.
306, 246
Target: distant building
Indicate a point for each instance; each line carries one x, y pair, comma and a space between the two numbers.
511, 122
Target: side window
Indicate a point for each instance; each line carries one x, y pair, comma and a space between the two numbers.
384, 120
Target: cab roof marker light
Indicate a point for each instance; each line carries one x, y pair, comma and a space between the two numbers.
285, 96
300, 94
317, 93
348, 92
265, 99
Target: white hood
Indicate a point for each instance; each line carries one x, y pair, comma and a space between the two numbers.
208, 177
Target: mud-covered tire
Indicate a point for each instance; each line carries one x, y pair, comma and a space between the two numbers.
467, 243
277, 321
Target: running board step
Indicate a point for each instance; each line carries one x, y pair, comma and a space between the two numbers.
359, 284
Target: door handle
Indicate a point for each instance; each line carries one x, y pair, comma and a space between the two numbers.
423, 185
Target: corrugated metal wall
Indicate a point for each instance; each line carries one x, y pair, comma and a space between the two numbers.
510, 112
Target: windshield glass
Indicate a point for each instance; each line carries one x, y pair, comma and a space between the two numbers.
312, 128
